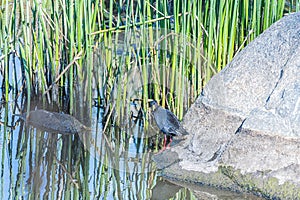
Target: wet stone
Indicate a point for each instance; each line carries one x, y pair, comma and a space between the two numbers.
165, 159
53, 122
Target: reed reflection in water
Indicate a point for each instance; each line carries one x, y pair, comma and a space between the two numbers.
89, 165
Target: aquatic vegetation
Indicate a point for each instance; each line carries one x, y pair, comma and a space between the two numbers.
77, 56
163, 49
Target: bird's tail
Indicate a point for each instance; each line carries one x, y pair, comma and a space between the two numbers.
182, 131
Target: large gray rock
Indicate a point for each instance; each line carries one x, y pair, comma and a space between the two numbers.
245, 127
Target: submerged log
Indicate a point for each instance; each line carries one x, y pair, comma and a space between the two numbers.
53, 122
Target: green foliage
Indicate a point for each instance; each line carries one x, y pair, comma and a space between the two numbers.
175, 46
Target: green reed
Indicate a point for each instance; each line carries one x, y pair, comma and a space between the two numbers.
200, 41
174, 46
51, 35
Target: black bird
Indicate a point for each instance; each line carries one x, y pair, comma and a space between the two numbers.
167, 122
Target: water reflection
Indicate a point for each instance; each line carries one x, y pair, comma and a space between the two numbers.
90, 165
109, 160
86, 165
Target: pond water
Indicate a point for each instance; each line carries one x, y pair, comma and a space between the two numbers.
36, 164
111, 159
40, 165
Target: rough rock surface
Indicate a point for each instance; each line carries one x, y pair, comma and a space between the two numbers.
245, 127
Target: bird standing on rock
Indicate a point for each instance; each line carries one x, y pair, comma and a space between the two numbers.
167, 122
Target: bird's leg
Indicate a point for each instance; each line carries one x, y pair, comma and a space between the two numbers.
165, 142
169, 144
164, 146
